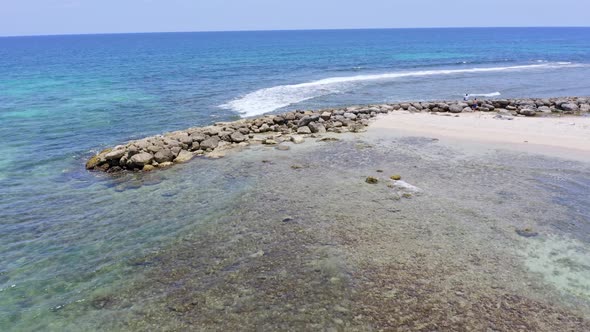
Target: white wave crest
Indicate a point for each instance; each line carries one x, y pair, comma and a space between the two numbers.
492, 94
270, 99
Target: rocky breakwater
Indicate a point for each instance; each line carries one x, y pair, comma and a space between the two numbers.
181, 146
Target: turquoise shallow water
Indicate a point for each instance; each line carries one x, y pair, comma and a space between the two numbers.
65, 233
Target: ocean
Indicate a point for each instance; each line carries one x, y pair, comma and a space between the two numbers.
68, 238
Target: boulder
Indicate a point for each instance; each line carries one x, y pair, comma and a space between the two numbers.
544, 109
164, 155
304, 130
326, 116
527, 112
211, 130
455, 108
183, 138
317, 127
350, 116
184, 156
93, 162
198, 137
237, 137
141, 159
304, 121
585, 107
297, 139
569, 107
210, 143
115, 154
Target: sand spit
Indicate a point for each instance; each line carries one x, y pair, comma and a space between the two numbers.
181, 146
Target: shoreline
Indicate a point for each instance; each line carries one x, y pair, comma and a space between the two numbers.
165, 150
564, 137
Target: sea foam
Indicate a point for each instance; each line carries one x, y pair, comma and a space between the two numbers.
270, 99
492, 94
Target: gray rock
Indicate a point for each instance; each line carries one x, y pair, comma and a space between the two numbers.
183, 138
490, 107
326, 116
350, 116
164, 155
290, 116
585, 107
569, 107
297, 139
115, 154
237, 137
455, 108
142, 145
304, 121
527, 112
211, 130
317, 127
304, 130
184, 156
176, 150
141, 159
210, 143
544, 109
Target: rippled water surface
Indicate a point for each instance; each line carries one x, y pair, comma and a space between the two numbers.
280, 240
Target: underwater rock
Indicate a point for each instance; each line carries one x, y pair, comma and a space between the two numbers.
526, 232
371, 180
396, 177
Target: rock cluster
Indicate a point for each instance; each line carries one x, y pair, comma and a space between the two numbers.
181, 146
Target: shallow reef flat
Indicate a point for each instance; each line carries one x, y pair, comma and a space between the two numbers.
460, 244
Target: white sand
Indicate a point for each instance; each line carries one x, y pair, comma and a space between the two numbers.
564, 137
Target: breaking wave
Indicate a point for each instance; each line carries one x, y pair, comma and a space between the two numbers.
270, 99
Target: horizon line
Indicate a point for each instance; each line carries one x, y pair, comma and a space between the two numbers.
287, 30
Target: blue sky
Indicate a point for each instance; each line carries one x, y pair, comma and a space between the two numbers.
32, 17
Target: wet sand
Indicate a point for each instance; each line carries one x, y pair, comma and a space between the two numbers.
566, 137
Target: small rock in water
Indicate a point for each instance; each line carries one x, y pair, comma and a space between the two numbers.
288, 219
297, 139
257, 254
379, 171
296, 166
329, 139
526, 232
396, 177
372, 180
283, 147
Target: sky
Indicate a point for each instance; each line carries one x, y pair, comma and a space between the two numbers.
46, 17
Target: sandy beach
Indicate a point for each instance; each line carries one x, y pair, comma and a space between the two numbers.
564, 137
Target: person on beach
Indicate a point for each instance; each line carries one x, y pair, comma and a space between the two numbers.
466, 98
474, 106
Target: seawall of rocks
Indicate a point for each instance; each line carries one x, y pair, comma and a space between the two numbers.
181, 146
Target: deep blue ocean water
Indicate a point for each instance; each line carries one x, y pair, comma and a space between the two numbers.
62, 98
